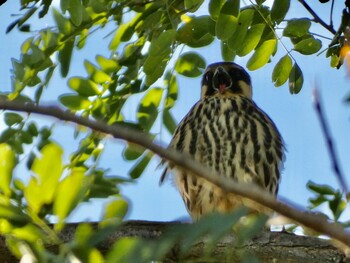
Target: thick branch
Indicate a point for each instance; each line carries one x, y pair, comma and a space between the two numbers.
252, 192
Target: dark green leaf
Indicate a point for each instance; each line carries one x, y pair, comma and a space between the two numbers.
193, 5
64, 57
63, 24
225, 26
227, 53
169, 121
279, 10
133, 151
282, 71
337, 206
215, 8
12, 118
162, 44
308, 46
262, 54
74, 102
76, 10
140, 165
195, 32
296, 79
320, 188
297, 27
317, 201
172, 90
190, 64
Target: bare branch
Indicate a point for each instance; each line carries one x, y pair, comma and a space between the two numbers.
251, 192
329, 141
317, 19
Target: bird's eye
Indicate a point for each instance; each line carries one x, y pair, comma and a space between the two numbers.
208, 76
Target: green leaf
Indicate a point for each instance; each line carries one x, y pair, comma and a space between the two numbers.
215, 8
190, 64
282, 70
251, 39
7, 164
63, 24
64, 57
227, 53
140, 166
193, 5
74, 102
107, 65
116, 210
170, 83
162, 44
297, 27
133, 151
231, 7
279, 10
96, 75
12, 118
148, 109
76, 10
308, 46
128, 249
70, 191
320, 188
48, 169
262, 54
83, 87
195, 32
169, 121
337, 206
225, 26
296, 79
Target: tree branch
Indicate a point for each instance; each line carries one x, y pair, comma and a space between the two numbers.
330, 143
268, 246
316, 17
251, 192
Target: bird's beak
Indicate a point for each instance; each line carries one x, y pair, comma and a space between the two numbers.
221, 80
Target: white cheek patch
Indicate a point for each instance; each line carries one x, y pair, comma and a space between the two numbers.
204, 90
246, 89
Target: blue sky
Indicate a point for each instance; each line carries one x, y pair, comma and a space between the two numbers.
294, 115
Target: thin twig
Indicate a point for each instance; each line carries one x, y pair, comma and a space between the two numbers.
329, 141
331, 14
186, 162
317, 18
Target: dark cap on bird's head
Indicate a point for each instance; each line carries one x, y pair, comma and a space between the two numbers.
226, 79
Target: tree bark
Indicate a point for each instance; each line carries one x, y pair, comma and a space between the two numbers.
268, 246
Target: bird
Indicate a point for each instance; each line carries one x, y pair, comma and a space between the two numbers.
228, 133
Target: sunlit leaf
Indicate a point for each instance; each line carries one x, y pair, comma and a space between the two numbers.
297, 27
70, 192
148, 109
107, 65
279, 10
262, 54
116, 210
7, 164
96, 75
282, 70
83, 87
251, 39
63, 24
48, 169
308, 46
296, 79
127, 249
190, 64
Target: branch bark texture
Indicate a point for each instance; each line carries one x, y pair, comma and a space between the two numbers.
251, 192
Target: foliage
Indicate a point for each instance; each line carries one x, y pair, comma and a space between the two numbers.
145, 56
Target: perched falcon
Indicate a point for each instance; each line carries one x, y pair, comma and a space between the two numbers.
227, 132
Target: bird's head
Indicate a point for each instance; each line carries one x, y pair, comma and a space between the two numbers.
226, 79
